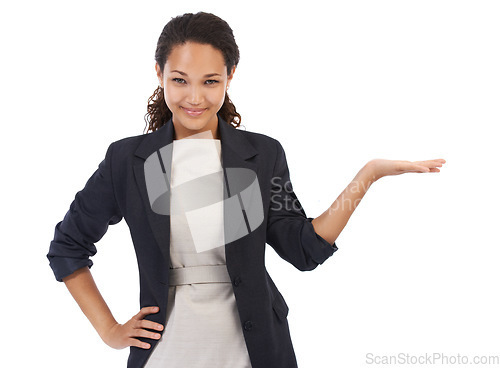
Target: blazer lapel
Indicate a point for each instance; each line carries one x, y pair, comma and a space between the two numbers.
155, 151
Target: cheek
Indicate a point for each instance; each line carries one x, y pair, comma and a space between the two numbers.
217, 97
172, 94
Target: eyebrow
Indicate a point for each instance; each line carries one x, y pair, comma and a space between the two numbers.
206, 75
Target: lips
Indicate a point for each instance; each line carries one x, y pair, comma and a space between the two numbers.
193, 111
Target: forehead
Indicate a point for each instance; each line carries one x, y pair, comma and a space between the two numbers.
195, 58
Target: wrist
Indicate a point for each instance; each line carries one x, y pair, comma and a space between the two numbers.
368, 173
106, 332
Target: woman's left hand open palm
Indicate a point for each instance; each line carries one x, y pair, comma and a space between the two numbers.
381, 167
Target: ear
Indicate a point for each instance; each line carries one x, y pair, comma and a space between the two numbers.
230, 76
159, 73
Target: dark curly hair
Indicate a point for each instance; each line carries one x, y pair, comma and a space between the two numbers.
204, 28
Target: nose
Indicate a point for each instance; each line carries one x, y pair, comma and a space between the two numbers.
195, 96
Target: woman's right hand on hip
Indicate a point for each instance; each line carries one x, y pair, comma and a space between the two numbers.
121, 336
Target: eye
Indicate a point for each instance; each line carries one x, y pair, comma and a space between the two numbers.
179, 80
213, 81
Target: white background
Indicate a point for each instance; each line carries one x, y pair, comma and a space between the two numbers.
417, 267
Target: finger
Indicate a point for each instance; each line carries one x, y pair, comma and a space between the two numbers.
434, 164
145, 311
417, 166
436, 159
138, 343
146, 323
430, 163
437, 162
145, 333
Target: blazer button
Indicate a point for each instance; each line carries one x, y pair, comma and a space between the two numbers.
237, 281
248, 325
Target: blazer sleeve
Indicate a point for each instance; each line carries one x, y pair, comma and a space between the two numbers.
91, 212
289, 231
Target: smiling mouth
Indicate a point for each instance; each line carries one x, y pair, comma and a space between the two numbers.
193, 112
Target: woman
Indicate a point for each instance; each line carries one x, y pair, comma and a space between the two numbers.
201, 199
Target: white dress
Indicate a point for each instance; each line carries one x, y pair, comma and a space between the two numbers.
203, 328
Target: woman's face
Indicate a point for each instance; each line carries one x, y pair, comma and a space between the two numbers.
195, 81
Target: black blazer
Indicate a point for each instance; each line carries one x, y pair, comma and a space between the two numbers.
118, 189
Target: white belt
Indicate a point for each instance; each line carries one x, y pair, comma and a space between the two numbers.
198, 275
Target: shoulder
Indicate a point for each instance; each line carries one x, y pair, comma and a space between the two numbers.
261, 141
129, 141
126, 146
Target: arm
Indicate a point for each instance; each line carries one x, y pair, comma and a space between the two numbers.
87, 220
82, 287
85, 223
289, 231
331, 222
